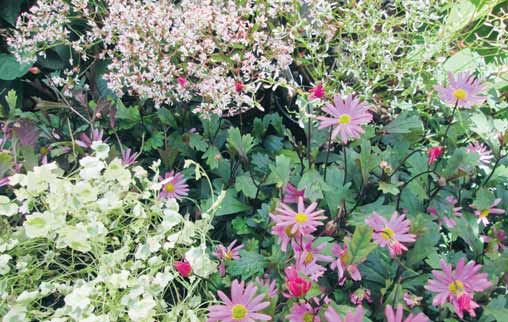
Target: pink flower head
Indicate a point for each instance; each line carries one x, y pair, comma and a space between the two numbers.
226, 254
496, 241
128, 158
396, 316
332, 316
292, 194
85, 141
4, 181
458, 287
462, 91
306, 258
303, 312
182, 81
434, 154
482, 150
450, 222
34, 70
484, 213
342, 266
360, 295
174, 186
392, 233
271, 286
284, 234
243, 306
302, 222
297, 286
317, 92
347, 116
411, 299
239, 86
184, 268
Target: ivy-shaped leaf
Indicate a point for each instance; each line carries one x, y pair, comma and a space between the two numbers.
211, 157
249, 264
241, 144
360, 245
197, 142
245, 184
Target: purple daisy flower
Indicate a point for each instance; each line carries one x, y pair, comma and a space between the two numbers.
174, 186
348, 115
462, 91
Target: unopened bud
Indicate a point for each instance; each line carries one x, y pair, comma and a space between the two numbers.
330, 228
34, 70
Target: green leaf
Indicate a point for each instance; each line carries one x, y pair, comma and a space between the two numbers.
314, 185
405, 123
197, 142
497, 309
280, 171
29, 157
166, 117
241, 144
460, 16
484, 198
390, 188
248, 265
10, 69
211, 157
425, 243
154, 142
6, 163
360, 245
464, 60
231, 205
9, 10
128, 116
245, 184
461, 161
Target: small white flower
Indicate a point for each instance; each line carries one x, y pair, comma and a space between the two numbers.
4, 264
37, 225
101, 149
91, 167
7, 208
79, 297
142, 310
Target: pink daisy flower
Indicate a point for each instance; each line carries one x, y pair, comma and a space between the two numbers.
284, 234
174, 186
462, 91
270, 286
411, 299
497, 240
360, 295
226, 254
483, 214
340, 264
317, 92
292, 194
458, 287
449, 222
297, 286
347, 116
243, 306
484, 152
332, 316
304, 221
396, 316
392, 233
303, 312
307, 257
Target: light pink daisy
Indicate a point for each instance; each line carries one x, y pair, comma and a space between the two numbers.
392, 233
303, 312
243, 306
484, 152
307, 256
292, 194
397, 316
458, 287
341, 265
304, 221
226, 254
332, 316
411, 299
270, 286
462, 91
483, 214
347, 116
284, 234
174, 186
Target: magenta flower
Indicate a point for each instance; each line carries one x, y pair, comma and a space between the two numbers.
303, 222
396, 316
347, 116
86, 142
317, 92
462, 91
292, 194
183, 267
434, 154
392, 233
341, 265
271, 286
306, 259
483, 214
243, 306
297, 286
458, 287
174, 186
484, 152
182, 81
128, 158
332, 316
226, 254
303, 312
360, 295
496, 241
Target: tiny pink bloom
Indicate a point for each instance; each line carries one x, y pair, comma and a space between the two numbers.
297, 286
462, 91
85, 141
450, 222
183, 268
484, 213
411, 299
397, 316
434, 154
392, 234
496, 241
347, 116
226, 254
341, 265
129, 158
306, 259
174, 186
292, 194
317, 92
239, 86
270, 286
34, 70
243, 306
304, 221
332, 316
303, 312
182, 81
360, 295
4, 181
458, 287
482, 150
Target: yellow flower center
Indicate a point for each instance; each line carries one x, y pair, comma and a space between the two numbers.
301, 218
238, 312
460, 94
344, 119
344, 258
308, 258
288, 231
387, 234
484, 213
170, 187
228, 255
456, 287
308, 317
